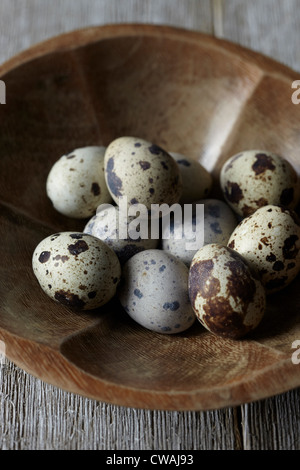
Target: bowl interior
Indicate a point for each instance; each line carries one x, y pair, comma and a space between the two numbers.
188, 93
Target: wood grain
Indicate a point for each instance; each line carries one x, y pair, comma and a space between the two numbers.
32, 21
57, 420
36, 415
270, 27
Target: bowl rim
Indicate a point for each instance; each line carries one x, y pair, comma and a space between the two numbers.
92, 34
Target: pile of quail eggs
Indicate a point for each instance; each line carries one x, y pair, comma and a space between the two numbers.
250, 246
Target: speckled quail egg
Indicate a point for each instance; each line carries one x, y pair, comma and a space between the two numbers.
270, 241
256, 178
196, 180
227, 298
76, 182
105, 225
142, 172
217, 222
154, 292
76, 269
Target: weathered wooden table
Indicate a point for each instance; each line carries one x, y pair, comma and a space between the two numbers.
35, 415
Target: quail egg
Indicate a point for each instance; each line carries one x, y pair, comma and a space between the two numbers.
154, 292
256, 178
105, 225
227, 298
213, 224
141, 172
76, 183
76, 269
270, 241
196, 180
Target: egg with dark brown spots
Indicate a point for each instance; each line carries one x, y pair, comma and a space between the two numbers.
270, 241
154, 292
255, 178
227, 298
76, 269
76, 183
141, 172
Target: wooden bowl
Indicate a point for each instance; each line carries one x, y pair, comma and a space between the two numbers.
189, 93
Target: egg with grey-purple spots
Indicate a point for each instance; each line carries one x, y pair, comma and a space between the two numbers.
116, 231
154, 292
76, 183
270, 241
76, 269
255, 178
141, 172
227, 297
213, 221
196, 180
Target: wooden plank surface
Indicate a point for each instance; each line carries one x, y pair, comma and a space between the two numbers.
35, 415
268, 26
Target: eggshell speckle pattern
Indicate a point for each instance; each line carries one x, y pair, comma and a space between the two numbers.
196, 180
105, 226
76, 182
76, 269
154, 292
218, 223
141, 171
256, 178
227, 299
270, 241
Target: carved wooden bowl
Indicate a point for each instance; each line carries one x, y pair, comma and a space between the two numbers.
189, 93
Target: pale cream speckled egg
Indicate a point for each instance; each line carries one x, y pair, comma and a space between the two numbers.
227, 298
105, 225
256, 178
217, 224
270, 241
76, 269
142, 172
196, 180
76, 182
154, 292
